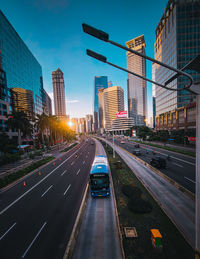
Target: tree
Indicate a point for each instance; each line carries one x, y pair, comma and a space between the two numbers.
18, 120
42, 123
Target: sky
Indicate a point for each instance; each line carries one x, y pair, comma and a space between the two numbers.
52, 30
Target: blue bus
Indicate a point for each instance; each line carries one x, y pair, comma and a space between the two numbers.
99, 177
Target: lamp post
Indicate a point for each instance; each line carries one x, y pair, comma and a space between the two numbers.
191, 87
113, 146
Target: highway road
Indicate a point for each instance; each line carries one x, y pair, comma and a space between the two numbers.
180, 168
36, 220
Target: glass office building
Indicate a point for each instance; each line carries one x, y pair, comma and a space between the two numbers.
20, 66
177, 42
99, 82
136, 87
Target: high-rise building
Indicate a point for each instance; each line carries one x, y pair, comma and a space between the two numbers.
47, 105
99, 82
113, 102
88, 122
153, 95
177, 42
59, 94
101, 110
136, 87
21, 68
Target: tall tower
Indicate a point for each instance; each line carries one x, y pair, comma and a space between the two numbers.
177, 42
113, 102
136, 87
59, 94
99, 82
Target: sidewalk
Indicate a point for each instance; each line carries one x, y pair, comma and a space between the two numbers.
98, 234
14, 167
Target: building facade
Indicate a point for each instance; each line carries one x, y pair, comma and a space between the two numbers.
101, 112
121, 125
183, 118
59, 94
88, 122
18, 63
136, 87
177, 42
99, 82
113, 102
47, 104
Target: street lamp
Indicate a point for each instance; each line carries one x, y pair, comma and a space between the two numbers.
191, 87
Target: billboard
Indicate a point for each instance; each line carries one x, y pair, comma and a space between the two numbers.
122, 114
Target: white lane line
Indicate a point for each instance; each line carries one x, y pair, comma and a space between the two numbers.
63, 172
176, 164
20, 197
67, 189
46, 191
86, 156
84, 162
33, 240
189, 179
7, 231
78, 172
81, 153
179, 159
72, 163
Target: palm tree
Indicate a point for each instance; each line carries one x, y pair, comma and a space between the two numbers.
18, 120
42, 123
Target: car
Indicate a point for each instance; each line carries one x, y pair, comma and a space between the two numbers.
158, 162
137, 152
137, 146
122, 142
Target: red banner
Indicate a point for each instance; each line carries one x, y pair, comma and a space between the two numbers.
122, 114
191, 138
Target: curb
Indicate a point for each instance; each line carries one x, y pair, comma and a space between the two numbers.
74, 234
2, 190
117, 216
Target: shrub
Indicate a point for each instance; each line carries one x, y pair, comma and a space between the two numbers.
139, 205
131, 191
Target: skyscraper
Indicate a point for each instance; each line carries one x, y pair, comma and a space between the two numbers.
59, 94
136, 87
177, 42
20, 68
101, 110
99, 82
113, 102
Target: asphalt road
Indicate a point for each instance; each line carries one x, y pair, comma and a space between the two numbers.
36, 220
98, 235
180, 168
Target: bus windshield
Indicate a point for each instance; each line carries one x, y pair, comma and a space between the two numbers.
99, 181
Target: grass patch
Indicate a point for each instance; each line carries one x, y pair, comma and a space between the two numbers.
174, 245
184, 152
69, 147
13, 177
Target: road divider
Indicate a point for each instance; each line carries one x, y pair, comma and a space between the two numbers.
74, 234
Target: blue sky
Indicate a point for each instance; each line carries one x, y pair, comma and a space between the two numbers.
52, 30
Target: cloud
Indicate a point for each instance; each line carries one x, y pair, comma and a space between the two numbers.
72, 101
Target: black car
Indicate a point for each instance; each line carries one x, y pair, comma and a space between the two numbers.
136, 152
158, 162
137, 146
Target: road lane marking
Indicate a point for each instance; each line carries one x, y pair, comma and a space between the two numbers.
72, 163
86, 156
176, 164
67, 189
20, 197
189, 179
46, 191
33, 240
84, 162
63, 172
7, 231
78, 172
